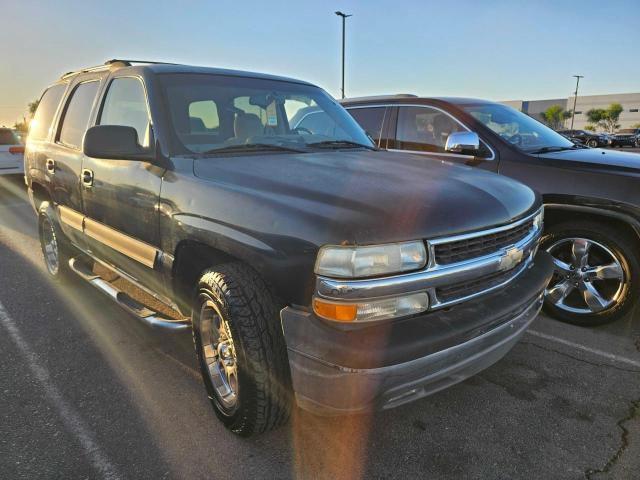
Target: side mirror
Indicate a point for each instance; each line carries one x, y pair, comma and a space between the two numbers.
115, 142
463, 143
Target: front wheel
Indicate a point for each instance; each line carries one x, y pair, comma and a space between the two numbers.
597, 273
241, 349
592, 143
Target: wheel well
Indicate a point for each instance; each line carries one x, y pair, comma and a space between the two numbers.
40, 194
555, 216
191, 259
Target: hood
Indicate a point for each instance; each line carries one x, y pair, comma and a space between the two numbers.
598, 158
365, 196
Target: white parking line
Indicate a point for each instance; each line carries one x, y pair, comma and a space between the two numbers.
584, 348
69, 416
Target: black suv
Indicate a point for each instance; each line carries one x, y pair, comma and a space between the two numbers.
303, 259
591, 139
591, 196
627, 137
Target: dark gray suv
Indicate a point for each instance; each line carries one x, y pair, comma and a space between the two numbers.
591, 195
309, 266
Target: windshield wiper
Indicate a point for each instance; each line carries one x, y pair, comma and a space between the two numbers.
253, 147
554, 149
340, 144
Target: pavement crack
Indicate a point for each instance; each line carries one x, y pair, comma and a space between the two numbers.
578, 359
634, 412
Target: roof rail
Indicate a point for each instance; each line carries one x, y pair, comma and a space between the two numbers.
110, 63
381, 97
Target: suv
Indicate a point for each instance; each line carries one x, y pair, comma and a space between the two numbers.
590, 139
303, 259
591, 196
627, 137
11, 153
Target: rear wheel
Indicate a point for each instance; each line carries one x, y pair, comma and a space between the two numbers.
597, 273
593, 143
55, 248
241, 350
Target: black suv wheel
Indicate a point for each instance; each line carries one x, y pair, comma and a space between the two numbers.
241, 350
55, 249
597, 273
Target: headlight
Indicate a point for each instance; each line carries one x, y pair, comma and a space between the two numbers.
370, 261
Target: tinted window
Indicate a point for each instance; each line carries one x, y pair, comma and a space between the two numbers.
76, 116
41, 123
7, 137
126, 104
370, 119
424, 129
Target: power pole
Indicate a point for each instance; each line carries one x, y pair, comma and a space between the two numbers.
344, 18
575, 98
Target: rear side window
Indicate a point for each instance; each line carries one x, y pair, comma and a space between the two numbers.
370, 119
126, 104
41, 123
77, 113
7, 137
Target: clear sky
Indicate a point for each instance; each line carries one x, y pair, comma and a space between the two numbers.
495, 49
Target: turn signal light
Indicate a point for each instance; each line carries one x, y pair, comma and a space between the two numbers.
372, 310
339, 312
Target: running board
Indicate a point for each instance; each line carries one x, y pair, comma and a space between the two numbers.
144, 314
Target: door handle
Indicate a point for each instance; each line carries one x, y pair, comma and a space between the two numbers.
51, 165
87, 177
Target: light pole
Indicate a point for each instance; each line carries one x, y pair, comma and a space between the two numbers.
575, 98
344, 18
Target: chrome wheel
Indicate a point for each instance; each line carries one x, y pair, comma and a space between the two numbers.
219, 354
589, 278
49, 245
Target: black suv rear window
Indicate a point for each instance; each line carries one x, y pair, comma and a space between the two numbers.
7, 137
49, 102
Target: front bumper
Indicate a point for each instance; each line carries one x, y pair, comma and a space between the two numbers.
339, 371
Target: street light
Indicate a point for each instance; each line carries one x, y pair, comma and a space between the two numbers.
344, 17
575, 98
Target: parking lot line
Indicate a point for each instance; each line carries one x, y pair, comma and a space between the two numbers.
584, 348
69, 416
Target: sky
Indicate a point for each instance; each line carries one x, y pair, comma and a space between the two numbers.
493, 49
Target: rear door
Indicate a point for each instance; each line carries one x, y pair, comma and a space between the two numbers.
424, 129
121, 200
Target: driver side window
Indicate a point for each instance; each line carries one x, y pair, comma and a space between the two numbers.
424, 129
126, 105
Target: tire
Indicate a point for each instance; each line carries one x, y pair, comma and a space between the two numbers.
56, 250
592, 143
247, 361
570, 296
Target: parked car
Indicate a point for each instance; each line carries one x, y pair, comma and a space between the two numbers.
591, 139
11, 153
303, 259
627, 137
591, 196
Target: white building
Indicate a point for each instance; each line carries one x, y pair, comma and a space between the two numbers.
630, 103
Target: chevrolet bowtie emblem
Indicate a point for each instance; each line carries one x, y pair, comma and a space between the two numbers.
511, 258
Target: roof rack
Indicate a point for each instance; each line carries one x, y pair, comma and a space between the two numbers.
383, 97
113, 62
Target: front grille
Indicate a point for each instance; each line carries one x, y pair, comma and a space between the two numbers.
461, 250
465, 289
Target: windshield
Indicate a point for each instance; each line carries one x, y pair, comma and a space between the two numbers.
517, 128
216, 113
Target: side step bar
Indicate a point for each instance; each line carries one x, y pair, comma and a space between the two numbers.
131, 305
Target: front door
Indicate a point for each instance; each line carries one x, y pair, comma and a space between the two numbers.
121, 197
424, 130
